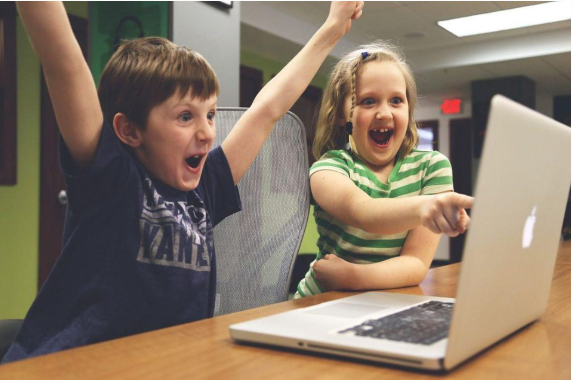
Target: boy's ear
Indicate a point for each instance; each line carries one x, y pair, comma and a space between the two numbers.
127, 131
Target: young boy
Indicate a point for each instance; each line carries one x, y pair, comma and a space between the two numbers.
145, 191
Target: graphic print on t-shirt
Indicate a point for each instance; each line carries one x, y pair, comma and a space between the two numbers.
172, 234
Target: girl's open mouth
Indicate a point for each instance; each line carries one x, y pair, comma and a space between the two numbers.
381, 136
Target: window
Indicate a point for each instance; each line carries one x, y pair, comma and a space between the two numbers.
428, 134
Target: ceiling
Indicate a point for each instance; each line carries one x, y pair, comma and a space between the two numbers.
444, 65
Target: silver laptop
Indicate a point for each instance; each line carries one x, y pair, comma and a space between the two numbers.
506, 272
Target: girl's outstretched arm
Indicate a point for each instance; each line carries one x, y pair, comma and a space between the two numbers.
339, 197
277, 97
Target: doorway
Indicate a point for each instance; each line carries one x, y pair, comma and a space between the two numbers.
52, 184
461, 156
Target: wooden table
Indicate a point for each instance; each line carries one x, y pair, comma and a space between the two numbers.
204, 350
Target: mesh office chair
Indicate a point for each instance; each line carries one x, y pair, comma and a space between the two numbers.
8, 330
256, 248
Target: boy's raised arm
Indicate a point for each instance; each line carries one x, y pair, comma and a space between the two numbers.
277, 97
70, 84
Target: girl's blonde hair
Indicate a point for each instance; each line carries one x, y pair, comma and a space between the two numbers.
329, 134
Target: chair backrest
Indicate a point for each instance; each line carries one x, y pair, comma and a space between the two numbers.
8, 330
256, 247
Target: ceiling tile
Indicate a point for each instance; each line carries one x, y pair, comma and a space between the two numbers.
560, 62
390, 24
302, 10
394, 20
539, 69
444, 10
449, 81
516, 4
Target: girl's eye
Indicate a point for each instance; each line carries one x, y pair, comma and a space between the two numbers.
185, 117
396, 101
368, 101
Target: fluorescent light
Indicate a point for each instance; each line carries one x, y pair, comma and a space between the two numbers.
509, 19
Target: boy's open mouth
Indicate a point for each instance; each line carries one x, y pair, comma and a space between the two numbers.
194, 161
381, 136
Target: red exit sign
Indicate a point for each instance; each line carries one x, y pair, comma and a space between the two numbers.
451, 106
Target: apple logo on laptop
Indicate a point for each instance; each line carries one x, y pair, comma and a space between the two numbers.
527, 232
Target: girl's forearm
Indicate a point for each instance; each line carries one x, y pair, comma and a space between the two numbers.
388, 215
396, 272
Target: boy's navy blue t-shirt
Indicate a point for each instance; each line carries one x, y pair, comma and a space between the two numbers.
137, 255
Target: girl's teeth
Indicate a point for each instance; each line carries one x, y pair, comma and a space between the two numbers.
381, 136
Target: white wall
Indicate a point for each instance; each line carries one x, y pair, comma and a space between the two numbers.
215, 33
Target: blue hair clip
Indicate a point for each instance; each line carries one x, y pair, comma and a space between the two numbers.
364, 54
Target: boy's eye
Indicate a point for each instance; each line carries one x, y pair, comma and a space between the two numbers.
185, 117
211, 115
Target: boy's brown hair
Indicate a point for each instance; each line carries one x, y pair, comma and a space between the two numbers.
145, 72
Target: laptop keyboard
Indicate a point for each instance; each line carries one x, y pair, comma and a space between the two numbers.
422, 324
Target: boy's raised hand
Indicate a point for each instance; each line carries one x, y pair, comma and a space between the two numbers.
445, 213
343, 12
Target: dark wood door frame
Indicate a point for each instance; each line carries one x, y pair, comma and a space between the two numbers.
461, 157
52, 212
307, 108
8, 154
250, 85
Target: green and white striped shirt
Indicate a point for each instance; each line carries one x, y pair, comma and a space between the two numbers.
419, 173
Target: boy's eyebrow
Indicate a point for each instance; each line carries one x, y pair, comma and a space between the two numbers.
186, 103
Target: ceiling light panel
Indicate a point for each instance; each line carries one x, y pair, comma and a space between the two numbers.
509, 19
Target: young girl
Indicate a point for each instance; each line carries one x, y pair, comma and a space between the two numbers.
376, 195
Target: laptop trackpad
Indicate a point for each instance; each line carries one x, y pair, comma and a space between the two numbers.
345, 310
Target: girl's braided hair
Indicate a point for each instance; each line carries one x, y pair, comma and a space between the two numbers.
342, 84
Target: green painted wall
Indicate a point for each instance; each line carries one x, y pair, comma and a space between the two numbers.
270, 68
19, 208
106, 15
308, 246
77, 8
20, 205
